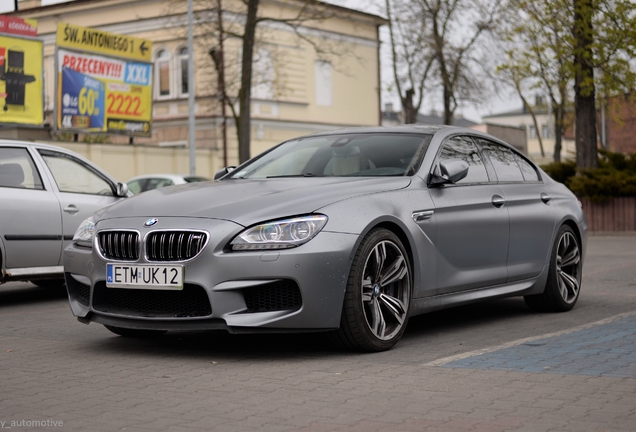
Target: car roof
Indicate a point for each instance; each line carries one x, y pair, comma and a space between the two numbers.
409, 128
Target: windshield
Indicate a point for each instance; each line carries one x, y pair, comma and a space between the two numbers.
340, 155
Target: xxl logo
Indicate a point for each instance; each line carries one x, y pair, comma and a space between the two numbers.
137, 73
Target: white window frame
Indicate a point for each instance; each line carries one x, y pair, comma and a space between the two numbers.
179, 57
157, 86
324, 83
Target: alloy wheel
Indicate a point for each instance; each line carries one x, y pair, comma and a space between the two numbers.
568, 268
385, 290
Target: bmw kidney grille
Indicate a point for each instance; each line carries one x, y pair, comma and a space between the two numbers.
174, 245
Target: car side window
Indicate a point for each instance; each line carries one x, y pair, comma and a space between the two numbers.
72, 176
156, 183
463, 148
134, 186
529, 172
503, 161
17, 169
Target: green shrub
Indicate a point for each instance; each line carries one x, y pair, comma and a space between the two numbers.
615, 177
560, 171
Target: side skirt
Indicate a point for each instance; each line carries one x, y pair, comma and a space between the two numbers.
520, 288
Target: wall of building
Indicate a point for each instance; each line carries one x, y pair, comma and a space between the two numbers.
290, 106
620, 119
126, 161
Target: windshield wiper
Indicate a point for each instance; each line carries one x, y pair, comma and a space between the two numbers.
293, 175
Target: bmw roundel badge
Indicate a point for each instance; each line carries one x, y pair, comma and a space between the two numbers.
151, 222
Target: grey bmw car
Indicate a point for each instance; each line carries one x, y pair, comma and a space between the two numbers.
351, 232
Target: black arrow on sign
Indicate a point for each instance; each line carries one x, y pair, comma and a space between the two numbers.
143, 48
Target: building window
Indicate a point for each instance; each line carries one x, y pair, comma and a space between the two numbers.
263, 77
532, 132
182, 67
324, 85
162, 66
545, 131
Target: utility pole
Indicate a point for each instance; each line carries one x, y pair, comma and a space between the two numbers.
221, 74
191, 105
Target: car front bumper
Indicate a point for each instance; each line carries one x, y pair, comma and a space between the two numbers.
246, 291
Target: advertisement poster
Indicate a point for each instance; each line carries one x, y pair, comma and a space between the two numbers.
21, 86
100, 94
103, 93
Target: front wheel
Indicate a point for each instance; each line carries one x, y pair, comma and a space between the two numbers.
378, 294
135, 333
564, 275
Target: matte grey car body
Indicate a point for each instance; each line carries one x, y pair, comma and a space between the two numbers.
400, 221
45, 191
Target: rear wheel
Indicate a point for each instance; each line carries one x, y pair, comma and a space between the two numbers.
378, 294
135, 333
564, 276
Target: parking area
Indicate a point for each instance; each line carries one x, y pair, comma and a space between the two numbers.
494, 366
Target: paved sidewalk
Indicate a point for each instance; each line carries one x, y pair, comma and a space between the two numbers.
607, 350
493, 366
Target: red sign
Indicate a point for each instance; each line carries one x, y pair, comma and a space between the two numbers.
18, 26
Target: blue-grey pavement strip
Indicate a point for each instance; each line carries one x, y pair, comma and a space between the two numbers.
607, 349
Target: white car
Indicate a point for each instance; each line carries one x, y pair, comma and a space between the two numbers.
46, 192
155, 181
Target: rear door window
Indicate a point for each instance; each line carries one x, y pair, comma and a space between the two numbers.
503, 160
17, 169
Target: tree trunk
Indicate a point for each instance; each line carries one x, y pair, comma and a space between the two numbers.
448, 113
245, 93
558, 131
410, 113
584, 92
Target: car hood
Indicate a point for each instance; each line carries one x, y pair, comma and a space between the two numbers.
250, 201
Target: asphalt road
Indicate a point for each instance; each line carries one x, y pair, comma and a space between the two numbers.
493, 366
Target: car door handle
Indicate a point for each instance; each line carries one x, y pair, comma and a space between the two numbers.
498, 201
545, 198
71, 209
420, 216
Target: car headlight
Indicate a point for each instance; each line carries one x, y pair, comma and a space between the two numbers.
280, 234
84, 234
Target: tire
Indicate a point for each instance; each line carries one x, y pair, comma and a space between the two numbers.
564, 275
134, 333
49, 283
378, 295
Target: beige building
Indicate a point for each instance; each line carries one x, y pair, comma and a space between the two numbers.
295, 90
522, 118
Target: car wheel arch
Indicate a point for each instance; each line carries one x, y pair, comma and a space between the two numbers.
572, 224
401, 232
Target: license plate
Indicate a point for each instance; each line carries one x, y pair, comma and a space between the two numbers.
161, 277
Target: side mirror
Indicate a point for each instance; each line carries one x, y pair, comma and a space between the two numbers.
122, 190
223, 171
450, 171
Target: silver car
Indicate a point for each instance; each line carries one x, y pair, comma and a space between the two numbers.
350, 232
46, 192
148, 182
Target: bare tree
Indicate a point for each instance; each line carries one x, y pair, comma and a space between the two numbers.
243, 21
456, 27
537, 50
412, 58
516, 73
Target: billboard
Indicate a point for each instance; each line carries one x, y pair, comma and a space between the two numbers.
103, 93
21, 84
